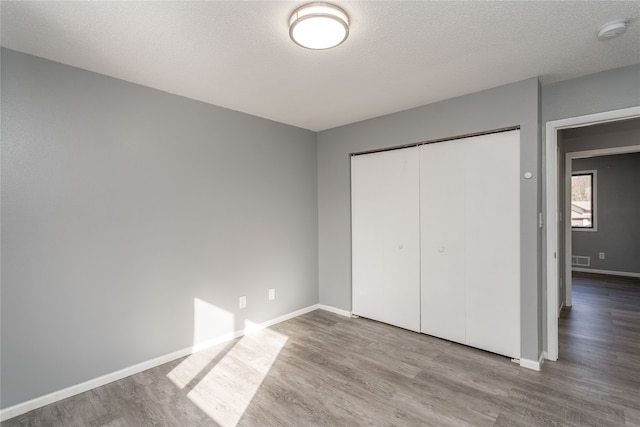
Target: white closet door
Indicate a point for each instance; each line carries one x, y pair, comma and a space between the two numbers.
492, 242
385, 237
442, 212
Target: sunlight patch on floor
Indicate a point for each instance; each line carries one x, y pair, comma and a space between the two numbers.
209, 321
224, 373
226, 391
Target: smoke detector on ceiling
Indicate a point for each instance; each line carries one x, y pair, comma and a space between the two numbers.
613, 29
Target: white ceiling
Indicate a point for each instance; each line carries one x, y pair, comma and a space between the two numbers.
400, 54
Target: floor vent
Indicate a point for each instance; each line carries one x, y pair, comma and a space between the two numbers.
581, 261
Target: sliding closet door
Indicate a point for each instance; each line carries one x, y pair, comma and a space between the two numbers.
492, 243
442, 212
470, 241
386, 237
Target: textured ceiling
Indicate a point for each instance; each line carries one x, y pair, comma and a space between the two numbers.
400, 54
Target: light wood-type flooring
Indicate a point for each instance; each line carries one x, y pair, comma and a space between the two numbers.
324, 369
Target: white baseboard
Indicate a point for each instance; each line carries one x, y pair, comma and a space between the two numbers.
532, 364
335, 310
24, 407
609, 272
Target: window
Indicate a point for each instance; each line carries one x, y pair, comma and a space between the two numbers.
583, 198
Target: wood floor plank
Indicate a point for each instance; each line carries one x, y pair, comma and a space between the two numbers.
321, 369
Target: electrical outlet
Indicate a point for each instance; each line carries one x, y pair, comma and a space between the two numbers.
601, 255
243, 302
272, 294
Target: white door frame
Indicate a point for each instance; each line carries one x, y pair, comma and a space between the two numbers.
552, 210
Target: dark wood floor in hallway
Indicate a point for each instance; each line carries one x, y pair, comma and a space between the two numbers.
325, 369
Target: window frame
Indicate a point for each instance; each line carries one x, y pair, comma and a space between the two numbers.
594, 199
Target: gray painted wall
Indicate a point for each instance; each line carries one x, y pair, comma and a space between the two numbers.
608, 135
595, 93
516, 104
618, 214
618, 186
122, 205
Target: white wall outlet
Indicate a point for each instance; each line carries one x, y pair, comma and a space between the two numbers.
243, 302
272, 294
601, 255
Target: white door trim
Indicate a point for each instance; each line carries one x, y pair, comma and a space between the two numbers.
552, 128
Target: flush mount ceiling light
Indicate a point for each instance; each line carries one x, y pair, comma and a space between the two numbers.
319, 25
613, 29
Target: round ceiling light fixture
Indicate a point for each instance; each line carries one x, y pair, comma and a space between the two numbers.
613, 29
319, 25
